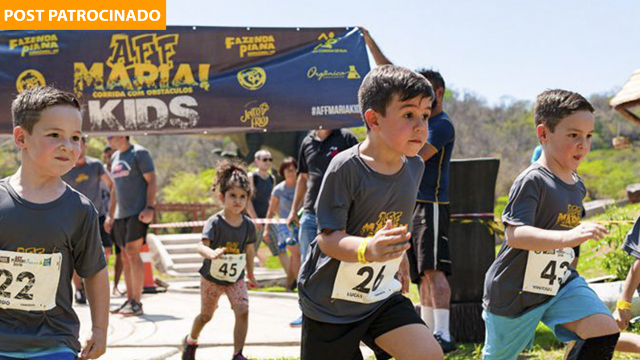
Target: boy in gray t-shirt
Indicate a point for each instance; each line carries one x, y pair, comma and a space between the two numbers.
350, 283
531, 279
48, 230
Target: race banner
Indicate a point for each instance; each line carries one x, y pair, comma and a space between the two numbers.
193, 79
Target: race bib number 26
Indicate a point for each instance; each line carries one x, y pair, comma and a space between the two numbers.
547, 271
29, 281
366, 283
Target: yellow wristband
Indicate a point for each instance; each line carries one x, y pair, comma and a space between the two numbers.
362, 249
624, 305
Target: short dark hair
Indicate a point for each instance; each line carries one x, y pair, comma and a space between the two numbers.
107, 149
27, 106
382, 83
289, 161
554, 105
434, 77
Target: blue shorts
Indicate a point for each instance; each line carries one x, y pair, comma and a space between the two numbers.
507, 336
57, 353
286, 236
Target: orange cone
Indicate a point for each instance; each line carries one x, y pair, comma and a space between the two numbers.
149, 282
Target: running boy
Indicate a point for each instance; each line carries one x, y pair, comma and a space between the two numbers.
227, 244
48, 230
348, 287
531, 279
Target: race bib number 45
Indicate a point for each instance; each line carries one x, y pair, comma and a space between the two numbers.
29, 281
228, 267
547, 271
366, 283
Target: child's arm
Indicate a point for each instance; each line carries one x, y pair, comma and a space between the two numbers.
97, 287
405, 277
387, 244
631, 283
251, 253
532, 238
208, 253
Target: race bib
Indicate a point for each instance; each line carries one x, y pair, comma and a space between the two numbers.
368, 283
29, 281
547, 271
228, 267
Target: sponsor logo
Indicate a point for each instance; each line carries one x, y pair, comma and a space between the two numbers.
120, 169
314, 73
252, 78
256, 114
328, 44
29, 79
36, 45
324, 110
18, 260
252, 46
81, 178
4, 259
46, 262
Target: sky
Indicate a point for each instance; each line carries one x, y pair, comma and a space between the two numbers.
500, 50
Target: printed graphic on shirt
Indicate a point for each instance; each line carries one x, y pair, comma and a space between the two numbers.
571, 218
371, 229
120, 169
81, 178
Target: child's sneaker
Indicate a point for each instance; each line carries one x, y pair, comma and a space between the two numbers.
188, 350
447, 346
239, 356
296, 323
134, 310
81, 297
124, 307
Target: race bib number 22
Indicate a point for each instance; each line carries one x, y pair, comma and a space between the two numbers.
29, 281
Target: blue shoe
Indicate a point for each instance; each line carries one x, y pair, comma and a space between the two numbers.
296, 323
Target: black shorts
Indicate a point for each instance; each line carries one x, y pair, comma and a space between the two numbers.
104, 235
322, 341
129, 229
430, 240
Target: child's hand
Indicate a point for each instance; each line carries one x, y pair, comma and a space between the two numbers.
96, 345
388, 243
253, 284
622, 318
217, 253
584, 232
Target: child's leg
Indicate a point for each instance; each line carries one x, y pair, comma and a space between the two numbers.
209, 295
507, 336
576, 313
397, 330
629, 342
410, 342
239, 299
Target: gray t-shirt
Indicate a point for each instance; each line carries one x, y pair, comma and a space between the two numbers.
67, 225
233, 239
360, 200
127, 169
262, 188
285, 198
632, 242
86, 179
540, 199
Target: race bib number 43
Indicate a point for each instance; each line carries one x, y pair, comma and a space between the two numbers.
366, 283
228, 267
29, 281
547, 271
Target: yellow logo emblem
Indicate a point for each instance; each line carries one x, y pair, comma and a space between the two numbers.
252, 78
29, 79
256, 114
